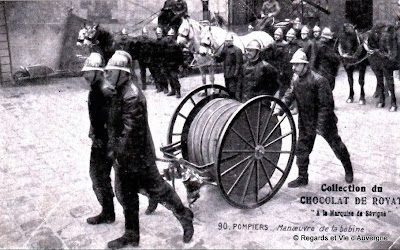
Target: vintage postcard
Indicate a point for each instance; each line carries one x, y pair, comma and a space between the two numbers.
204, 124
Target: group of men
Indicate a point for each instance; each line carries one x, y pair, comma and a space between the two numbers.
162, 56
318, 46
122, 140
304, 69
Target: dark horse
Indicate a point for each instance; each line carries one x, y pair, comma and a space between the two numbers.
353, 56
98, 40
381, 45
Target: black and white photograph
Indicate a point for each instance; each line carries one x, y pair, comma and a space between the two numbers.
199, 124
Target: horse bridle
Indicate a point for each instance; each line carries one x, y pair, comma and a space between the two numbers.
210, 45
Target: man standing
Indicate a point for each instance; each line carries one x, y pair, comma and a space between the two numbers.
307, 45
132, 147
316, 33
143, 50
232, 57
259, 77
316, 116
327, 61
100, 165
157, 59
280, 61
172, 61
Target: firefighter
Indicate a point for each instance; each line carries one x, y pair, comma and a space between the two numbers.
158, 59
307, 45
316, 116
327, 61
270, 9
123, 42
316, 33
132, 150
291, 48
280, 62
259, 77
100, 165
144, 55
232, 57
181, 9
173, 56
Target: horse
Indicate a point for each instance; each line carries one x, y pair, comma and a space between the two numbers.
381, 45
214, 37
98, 40
353, 56
189, 36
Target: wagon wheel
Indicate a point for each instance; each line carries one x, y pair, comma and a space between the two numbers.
255, 152
19, 76
186, 111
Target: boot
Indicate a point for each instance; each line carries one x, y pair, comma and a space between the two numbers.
348, 169
178, 93
302, 180
166, 90
171, 93
152, 206
129, 238
106, 216
187, 224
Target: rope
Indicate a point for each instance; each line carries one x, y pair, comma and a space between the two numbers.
359, 61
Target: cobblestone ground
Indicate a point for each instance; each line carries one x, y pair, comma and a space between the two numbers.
46, 190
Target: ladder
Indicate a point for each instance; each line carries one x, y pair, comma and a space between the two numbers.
5, 59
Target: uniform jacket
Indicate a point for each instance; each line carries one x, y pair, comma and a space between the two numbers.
314, 101
232, 57
173, 54
123, 44
98, 106
259, 78
308, 48
130, 136
144, 49
327, 62
158, 51
180, 8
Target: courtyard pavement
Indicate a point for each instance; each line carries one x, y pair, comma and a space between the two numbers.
46, 192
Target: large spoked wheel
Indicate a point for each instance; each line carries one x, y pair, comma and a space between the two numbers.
186, 111
255, 152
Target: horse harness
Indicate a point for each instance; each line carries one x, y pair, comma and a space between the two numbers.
356, 54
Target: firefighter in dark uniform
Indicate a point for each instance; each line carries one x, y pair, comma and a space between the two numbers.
316, 116
259, 77
327, 61
279, 61
173, 59
291, 47
100, 165
232, 57
307, 45
316, 33
144, 55
132, 148
157, 59
123, 42
180, 11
